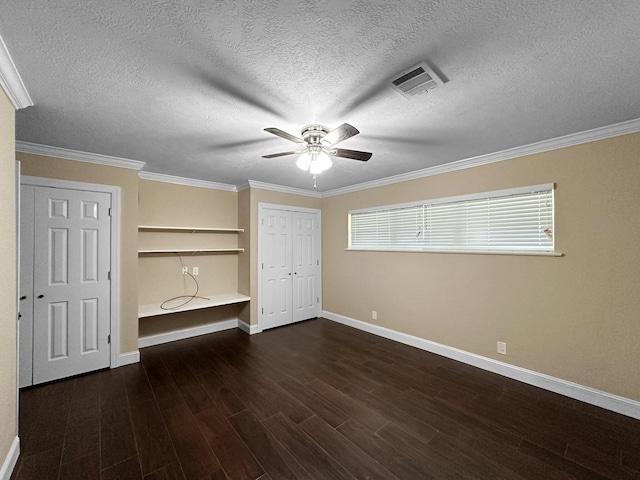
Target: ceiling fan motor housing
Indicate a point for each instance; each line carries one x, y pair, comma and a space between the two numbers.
314, 133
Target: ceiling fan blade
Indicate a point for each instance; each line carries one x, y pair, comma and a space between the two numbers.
281, 154
352, 154
340, 134
285, 135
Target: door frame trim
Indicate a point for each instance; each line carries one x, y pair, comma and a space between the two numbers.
289, 208
115, 193
18, 252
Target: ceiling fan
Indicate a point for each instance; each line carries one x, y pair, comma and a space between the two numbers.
317, 147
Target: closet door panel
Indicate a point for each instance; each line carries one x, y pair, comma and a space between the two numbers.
276, 269
306, 297
290, 265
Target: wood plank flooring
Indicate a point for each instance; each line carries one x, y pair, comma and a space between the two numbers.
315, 400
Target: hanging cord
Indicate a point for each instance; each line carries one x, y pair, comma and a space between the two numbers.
188, 297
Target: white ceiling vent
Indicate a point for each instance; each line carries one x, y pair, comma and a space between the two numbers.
416, 80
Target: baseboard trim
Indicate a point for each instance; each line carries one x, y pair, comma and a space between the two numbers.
250, 329
186, 333
128, 358
615, 403
10, 460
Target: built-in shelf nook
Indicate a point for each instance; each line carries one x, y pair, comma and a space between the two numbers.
210, 241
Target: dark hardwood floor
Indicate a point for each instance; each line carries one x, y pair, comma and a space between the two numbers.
313, 400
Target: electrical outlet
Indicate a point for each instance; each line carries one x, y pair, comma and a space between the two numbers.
374, 315
185, 270
502, 348
196, 270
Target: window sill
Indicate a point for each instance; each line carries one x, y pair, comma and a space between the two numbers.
464, 252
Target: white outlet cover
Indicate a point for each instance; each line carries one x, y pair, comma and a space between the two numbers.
196, 270
502, 348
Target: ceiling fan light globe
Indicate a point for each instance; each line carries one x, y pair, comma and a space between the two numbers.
304, 161
324, 160
315, 167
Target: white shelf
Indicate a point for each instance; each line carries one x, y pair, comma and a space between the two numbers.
157, 228
154, 309
194, 251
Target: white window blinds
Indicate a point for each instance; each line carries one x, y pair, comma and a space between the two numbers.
514, 220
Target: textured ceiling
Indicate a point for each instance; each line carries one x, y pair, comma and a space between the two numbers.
188, 85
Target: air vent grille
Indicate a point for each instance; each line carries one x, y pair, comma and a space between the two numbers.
416, 80
408, 76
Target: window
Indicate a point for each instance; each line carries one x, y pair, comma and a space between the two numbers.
505, 221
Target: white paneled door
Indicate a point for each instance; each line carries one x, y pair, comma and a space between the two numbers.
276, 268
290, 266
306, 265
71, 281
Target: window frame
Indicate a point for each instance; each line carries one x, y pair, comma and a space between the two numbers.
495, 194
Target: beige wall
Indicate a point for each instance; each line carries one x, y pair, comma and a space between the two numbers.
127, 179
258, 196
8, 313
165, 204
574, 317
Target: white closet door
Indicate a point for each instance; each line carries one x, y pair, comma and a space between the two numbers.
71, 318
306, 266
290, 266
276, 269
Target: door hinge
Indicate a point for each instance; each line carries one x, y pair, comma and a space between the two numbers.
318, 300
109, 211
318, 262
108, 338
263, 266
108, 275
263, 311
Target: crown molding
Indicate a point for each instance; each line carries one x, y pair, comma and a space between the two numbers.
280, 188
243, 186
11, 81
601, 133
189, 182
78, 156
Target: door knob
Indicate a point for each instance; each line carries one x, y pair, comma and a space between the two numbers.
40, 296
24, 297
